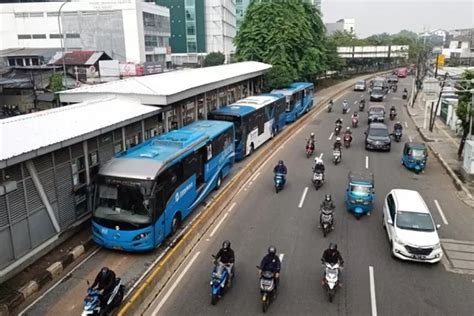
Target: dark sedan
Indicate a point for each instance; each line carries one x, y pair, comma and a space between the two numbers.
377, 94
377, 137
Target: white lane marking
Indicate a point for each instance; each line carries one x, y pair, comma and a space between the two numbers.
330, 136
355, 102
167, 295
406, 124
410, 139
281, 255
232, 207
321, 156
441, 212
366, 162
59, 282
218, 225
255, 176
373, 302
303, 197
348, 110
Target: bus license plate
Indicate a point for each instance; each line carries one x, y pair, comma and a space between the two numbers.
117, 247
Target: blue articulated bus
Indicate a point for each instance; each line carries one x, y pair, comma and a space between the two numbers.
144, 193
256, 119
299, 99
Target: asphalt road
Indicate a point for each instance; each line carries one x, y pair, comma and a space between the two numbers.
261, 218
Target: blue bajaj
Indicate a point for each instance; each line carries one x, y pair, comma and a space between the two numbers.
414, 156
360, 194
279, 181
219, 280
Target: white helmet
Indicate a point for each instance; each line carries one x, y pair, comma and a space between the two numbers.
318, 160
338, 139
312, 135
348, 128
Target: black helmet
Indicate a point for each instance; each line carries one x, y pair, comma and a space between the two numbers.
272, 250
333, 246
104, 271
328, 197
280, 162
226, 244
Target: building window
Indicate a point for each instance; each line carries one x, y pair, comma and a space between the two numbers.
39, 36
35, 61
192, 47
459, 44
36, 14
149, 58
190, 3
190, 15
11, 62
73, 35
151, 41
21, 15
51, 36
190, 30
19, 62
24, 36
50, 14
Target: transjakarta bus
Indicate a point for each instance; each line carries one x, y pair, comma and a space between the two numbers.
299, 99
256, 119
144, 193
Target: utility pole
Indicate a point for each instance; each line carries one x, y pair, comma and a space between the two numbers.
62, 41
436, 70
433, 116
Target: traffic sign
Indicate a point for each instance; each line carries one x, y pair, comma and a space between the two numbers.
440, 61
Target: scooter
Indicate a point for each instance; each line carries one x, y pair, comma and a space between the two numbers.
397, 135
355, 122
405, 95
330, 107
309, 150
267, 288
318, 180
347, 140
336, 156
331, 279
337, 129
345, 107
93, 300
326, 221
219, 280
361, 106
393, 114
279, 181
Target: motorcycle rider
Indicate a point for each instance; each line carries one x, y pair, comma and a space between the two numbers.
397, 126
227, 257
344, 104
319, 166
332, 255
310, 142
355, 115
393, 110
271, 262
105, 281
337, 144
280, 168
331, 103
328, 206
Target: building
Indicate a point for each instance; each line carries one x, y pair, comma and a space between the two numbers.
316, 4
130, 30
49, 159
346, 24
240, 8
460, 51
27, 56
199, 27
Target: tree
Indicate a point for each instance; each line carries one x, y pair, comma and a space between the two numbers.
465, 109
56, 82
279, 76
214, 59
287, 34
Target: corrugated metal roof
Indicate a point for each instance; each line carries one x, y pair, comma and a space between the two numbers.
80, 58
29, 51
171, 83
26, 133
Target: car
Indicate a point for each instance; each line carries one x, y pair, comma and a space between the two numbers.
376, 113
411, 231
377, 94
377, 137
392, 79
360, 86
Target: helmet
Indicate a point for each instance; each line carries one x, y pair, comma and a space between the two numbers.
348, 128
338, 139
345, 100
318, 160
280, 162
398, 122
328, 197
333, 246
272, 250
104, 271
226, 244
311, 135
355, 113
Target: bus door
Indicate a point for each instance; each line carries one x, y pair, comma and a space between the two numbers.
159, 205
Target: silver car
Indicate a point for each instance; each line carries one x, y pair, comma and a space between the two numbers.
360, 86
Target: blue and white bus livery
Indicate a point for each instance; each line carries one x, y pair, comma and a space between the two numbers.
144, 193
299, 99
256, 119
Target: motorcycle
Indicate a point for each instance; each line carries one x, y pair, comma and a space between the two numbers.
318, 180
279, 181
326, 221
267, 288
309, 150
337, 129
355, 122
219, 280
394, 88
331, 279
330, 107
405, 95
336, 156
397, 134
393, 114
93, 300
361, 106
347, 140
345, 107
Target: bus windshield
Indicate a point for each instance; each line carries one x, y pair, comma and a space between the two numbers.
123, 202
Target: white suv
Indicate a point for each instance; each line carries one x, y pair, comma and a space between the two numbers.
410, 228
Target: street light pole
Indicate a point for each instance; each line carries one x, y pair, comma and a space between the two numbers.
62, 41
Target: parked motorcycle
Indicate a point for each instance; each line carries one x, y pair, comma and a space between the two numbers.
326, 219
318, 180
336, 156
267, 288
93, 301
347, 140
331, 279
219, 280
279, 180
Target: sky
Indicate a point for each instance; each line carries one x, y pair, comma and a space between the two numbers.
391, 16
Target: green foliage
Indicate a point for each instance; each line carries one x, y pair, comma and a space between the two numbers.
287, 34
465, 109
279, 76
56, 82
214, 59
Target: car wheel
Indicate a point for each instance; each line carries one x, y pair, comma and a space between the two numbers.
389, 148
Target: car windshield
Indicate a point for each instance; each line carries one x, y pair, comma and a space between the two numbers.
416, 153
377, 91
360, 83
360, 189
415, 221
379, 132
376, 110
122, 202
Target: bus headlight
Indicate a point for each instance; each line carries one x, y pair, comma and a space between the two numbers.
142, 236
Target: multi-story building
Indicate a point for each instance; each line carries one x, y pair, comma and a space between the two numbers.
127, 30
345, 24
199, 27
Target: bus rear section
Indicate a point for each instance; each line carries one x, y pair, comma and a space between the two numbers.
299, 99
257, 119
143, 194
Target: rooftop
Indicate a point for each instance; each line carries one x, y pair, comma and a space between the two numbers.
170, 87
85, 58
26, 136
409, 201
27, 51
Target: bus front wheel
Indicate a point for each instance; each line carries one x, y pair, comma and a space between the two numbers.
218, 181
175, 223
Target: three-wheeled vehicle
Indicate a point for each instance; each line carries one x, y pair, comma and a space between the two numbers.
360, 194
414, 156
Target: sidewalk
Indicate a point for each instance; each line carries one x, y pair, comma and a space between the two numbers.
444, 144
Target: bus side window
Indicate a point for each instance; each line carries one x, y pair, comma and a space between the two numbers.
192, 165
160, 203
209, 151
